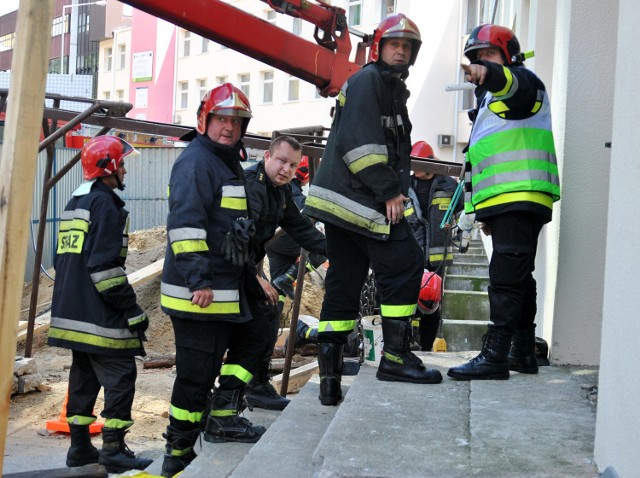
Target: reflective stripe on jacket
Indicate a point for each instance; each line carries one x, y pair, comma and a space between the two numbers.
511, 160
92, 298
206, 194
366, 160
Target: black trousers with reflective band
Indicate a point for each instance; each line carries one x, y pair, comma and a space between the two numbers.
398, 264
200, 349
512, 289
89, 373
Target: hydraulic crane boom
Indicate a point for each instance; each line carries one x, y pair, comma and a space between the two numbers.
325, 63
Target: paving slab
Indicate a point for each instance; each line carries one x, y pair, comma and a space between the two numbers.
529, 426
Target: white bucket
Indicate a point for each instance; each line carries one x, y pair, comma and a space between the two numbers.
372, 333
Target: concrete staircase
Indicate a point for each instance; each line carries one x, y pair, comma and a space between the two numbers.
529, 426
465, 304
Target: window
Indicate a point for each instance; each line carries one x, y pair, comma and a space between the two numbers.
183, 87
120, 95
221, 79
245, 83
7, 41
355, 10
202, 88
297, 26
107, 95
267, 87
83, 22
108, 59
271, 16
122, 56
388, 8
294, 89
186, 43
60, 25
205, 45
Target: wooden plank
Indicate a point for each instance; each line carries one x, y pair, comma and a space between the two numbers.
297, 378
86, 471
17, 177
146, 273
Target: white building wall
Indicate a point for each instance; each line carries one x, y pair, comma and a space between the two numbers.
116, 79
618, 419
584, 91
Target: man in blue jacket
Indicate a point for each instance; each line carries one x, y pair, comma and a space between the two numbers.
94, 311
206, 280
272, 206
359, 193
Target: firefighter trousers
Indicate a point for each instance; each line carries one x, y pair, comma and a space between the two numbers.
200, 349
512, 288
398, 264
89, 373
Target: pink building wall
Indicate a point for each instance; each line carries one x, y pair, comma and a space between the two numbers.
151, 34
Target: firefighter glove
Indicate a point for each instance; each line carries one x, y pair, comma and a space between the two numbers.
138, 323
236, 246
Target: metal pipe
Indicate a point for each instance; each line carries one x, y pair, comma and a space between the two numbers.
67, 127
35, 281
294, 322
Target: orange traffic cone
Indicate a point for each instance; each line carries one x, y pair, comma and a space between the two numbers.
61, 424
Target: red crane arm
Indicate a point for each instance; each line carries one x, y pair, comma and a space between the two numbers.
325, 64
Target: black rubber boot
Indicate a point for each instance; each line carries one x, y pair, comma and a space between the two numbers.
330, 364
490, 364
178, 452
304, 335
224, 423
116, 456
261, 394
81, 452
398, 364
522, 356
286, 281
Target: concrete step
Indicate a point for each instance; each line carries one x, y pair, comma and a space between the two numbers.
466, 283
468, 269
293, 437
455, 429
477, 256
461, 429
465, 305
462, 335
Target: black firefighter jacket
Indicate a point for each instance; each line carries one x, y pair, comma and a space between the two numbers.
273, 207
366, 160
206, 194
92, 298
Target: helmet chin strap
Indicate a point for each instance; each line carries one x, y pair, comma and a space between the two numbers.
121, 185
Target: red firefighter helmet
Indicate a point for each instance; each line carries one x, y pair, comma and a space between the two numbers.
422, 149
395, 26
302, 173
430, 293
487, 35
224, 100
102, 156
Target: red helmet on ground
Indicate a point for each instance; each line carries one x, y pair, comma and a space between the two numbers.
224, 100
422, 149
430, 293
395, 26
102, 156
487, 35
302, 173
